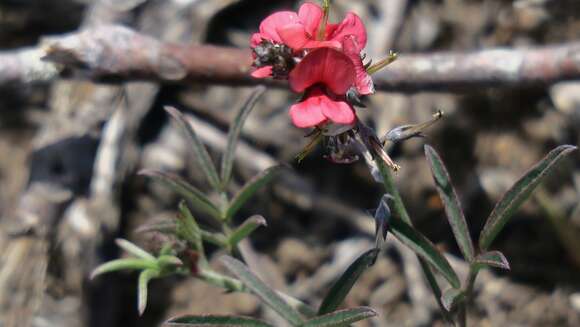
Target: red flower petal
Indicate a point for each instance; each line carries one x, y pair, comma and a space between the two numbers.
293, 35
308, 113
351, 25
262, 72
269, 26
338, 112
324, 65
255, 40
310, 16
363, 81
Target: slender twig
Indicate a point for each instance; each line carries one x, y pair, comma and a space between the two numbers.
111, 53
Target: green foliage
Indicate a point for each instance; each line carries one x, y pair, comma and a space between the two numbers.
344, 284
341, 317
151, 267
213, 320
423, 248
200, 154
234, 135
250, 188
519, 193
263, 291
452, 297
451, 203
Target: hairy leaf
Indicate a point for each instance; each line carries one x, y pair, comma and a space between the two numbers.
341, 317
344, 284
234, 134
144, 277
518, 193
245, 229
250, 188
123, 264
214, 320
188, 191
451, 203
424, 248
200, 153
263, 291
492, 259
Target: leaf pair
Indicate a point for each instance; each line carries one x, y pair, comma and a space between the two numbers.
499, 217
150, 266
503, 210
202, 157
218, 181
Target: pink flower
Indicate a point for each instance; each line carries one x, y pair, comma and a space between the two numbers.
301, 31
325, 74
318, 107
321, 59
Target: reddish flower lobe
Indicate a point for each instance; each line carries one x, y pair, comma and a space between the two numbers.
325, 66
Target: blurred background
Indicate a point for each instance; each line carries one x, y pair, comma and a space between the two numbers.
70, 150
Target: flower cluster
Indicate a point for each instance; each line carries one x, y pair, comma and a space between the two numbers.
320, 59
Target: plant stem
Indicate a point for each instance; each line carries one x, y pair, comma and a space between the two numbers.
234, 285
400, 210
468, 289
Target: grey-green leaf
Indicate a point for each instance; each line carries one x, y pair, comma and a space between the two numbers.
245, 229
188, 191
234, 134
134, 249
451, 298
344, 284
144, 277
451, 203
518, 193
200, 153
423, 248
341, 317
250, 188
492, 259
398, 208
123, 264
215, 320
265, 293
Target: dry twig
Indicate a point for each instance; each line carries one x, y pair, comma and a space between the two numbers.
114, 53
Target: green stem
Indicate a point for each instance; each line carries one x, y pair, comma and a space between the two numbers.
401, 211
469, 285
234, 285
215, 238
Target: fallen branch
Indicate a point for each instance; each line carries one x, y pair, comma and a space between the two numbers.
115, 53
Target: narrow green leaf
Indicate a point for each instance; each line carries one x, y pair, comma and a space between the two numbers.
187, 227
451, 298
214, 320
169, 260
200, 153
518, 193
234, 134
134, 249
123, 264
399, 209
217, 239
188, 191
344, 284
144, 277
492, 259
250, 188
245, 229
451, 203
341, 317
265, 293
423, 248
